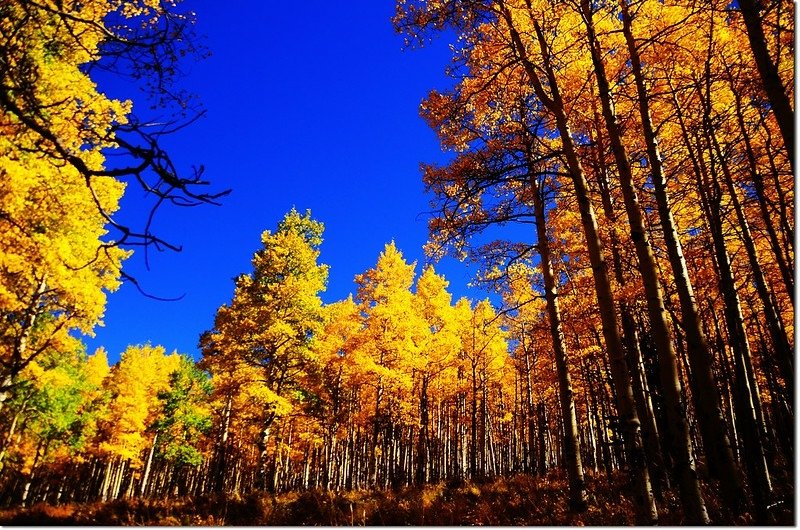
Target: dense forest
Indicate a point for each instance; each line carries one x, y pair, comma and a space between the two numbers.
621, 172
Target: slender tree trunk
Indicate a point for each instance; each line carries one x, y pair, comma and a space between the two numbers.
264, 459
755, 460
118, 477
773, 85
19, 346
591, 437
147, 466
629, 336
32, 476
373, 456
629, 419
784, 211
221, 457
704, 392
473, 454
11, 430
572, 453
531, 414
780, 343
541, 413
423, 475
787, 274
107, 477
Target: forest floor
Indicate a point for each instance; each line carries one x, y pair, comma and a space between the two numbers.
521, 500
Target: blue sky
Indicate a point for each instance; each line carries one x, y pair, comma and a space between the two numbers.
311, 104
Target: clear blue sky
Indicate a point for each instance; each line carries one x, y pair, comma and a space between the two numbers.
310, 104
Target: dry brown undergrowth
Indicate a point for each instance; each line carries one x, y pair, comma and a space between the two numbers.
519, 500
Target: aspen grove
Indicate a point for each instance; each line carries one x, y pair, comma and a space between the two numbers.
620, 172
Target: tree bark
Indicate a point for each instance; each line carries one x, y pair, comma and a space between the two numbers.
147, 466
773, 85
704, 391
780, 342
787, 274
572, 453
629, 419
423, 468
755, 460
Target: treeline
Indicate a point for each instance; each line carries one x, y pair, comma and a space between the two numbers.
396, 386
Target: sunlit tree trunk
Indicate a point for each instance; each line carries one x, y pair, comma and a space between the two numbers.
629, 419
147, 466
630, 338
33, 472
530, 412
372, 470
264, 458
711, 196
19, 345
704, 391
473, 422
11, 430
780, 342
